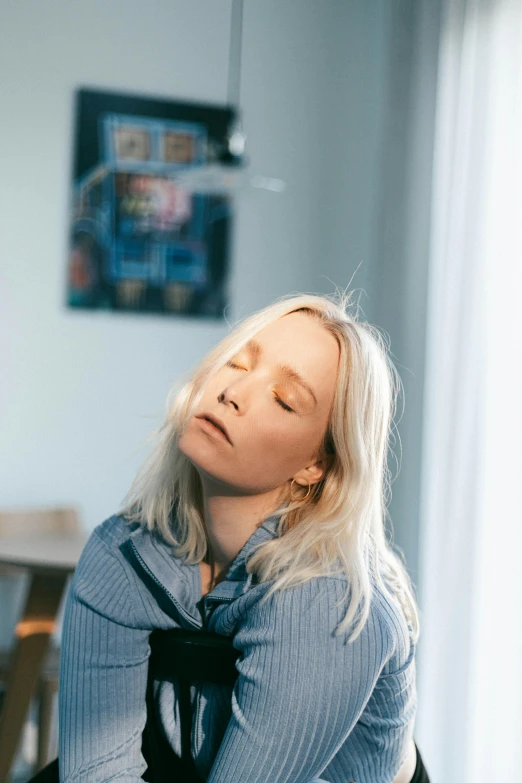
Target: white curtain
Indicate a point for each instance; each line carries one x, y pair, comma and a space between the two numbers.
469, 724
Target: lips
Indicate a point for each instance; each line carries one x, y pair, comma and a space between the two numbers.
216, 422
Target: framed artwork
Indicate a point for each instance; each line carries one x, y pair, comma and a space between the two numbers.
137, 241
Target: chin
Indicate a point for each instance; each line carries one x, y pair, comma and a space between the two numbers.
200, 454
189, 448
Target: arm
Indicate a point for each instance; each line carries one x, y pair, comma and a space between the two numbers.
103, 674
300, 688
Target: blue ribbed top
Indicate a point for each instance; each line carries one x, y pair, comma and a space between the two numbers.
306, 703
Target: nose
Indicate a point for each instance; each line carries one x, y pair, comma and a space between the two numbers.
227, 398
240, 389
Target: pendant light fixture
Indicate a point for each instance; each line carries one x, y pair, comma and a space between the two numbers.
227, 170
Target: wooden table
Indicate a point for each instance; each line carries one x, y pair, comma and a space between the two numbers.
49, 560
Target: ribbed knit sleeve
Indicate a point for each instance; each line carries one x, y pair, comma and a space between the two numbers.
103, 674
300, 688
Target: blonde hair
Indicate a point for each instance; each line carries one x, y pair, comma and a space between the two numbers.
342, 521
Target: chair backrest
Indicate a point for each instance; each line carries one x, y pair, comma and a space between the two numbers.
14, 522
28, 521
192, 655
185, 656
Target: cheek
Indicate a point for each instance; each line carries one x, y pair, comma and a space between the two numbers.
283, 441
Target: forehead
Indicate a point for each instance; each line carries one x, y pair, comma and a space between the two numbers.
303, 343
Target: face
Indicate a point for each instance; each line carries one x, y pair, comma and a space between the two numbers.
275, 423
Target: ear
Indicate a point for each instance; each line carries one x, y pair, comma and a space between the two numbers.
314, 472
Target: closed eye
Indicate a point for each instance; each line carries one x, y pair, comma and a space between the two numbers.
283, 404
279, 401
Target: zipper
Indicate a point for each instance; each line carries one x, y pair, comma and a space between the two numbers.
225, 599
178, 606
216, 598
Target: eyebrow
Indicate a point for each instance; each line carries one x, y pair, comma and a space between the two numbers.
254, 348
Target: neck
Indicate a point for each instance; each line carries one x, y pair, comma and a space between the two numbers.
230, 520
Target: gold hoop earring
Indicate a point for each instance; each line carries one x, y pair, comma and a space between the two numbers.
301, 499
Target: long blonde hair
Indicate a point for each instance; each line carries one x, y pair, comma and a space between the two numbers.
342, 522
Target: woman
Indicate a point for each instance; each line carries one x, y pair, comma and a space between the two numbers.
274, 449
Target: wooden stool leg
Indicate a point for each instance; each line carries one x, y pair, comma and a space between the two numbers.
48, 687
32, 638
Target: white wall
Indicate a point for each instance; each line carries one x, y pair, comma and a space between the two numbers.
358, 46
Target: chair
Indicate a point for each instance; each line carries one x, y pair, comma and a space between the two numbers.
185, 655
28, 522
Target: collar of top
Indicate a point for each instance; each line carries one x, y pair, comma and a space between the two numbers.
181, 580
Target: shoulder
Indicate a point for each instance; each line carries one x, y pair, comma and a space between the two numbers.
115, 530
315, 609
102, 553
112, 580
103, 578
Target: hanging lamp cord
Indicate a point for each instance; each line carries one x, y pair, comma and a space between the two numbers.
235, 53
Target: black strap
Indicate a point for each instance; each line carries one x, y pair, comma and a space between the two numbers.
185, 712
185, 656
